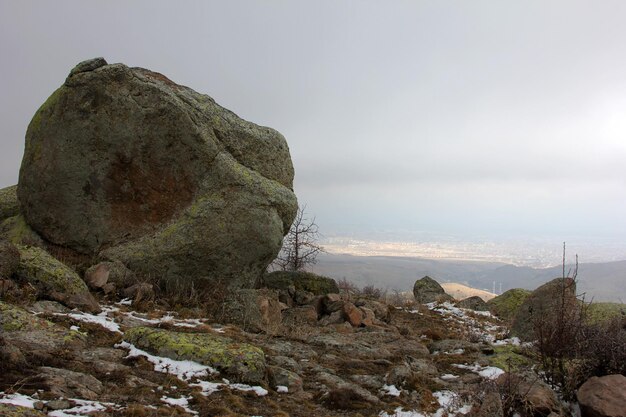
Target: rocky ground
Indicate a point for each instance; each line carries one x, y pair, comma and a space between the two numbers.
422, 360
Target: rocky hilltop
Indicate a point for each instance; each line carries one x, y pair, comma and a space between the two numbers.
133, 283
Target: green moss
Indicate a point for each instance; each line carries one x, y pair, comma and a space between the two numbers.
239, 360
304, 281
599, 312
46, 108
505, 305
40, 268
510, 357
17, 231
9, 410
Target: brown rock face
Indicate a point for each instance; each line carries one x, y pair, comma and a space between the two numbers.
603, 396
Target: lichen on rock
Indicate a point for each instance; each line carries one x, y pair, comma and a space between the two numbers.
239, 361
54, 279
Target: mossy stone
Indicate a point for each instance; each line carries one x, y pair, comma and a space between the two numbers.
427, 290
9, 206
302, 281
506, 304
238, 361
54, 279
17, 231
10, 410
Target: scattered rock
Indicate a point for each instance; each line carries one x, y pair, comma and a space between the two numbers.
114, 273
300, 280
239, 361
473, 303
139, 292
9, 259
54, 279
543, 306
124, 162
603, 396
399, 375
381, 310
332, 303
427, 290
9, 206
298, 316
254, 310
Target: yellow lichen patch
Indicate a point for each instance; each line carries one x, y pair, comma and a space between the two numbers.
240, 361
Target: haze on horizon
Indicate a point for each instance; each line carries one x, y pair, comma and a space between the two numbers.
474, 119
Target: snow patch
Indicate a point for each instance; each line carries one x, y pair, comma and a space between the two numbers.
17, 399
391, 390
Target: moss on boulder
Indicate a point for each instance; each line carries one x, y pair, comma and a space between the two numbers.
54, 279
506, 305
427, 290
239, 361
302, 281
9, 206
17, 231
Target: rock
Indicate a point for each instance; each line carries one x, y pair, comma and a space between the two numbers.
304, 281
537, 396
124, 163
427, 290
139, 293
35, 336
58, 405
335, 317
254, 310
302, 297
506, 304
9, 206
473, 303
603, 396
352, 314
10, 410
114, 273
9, 259
335, 382
543, 305
491, 406
422, 366
298, 316
17, 231
332, 303
69, 384
369, 318
282, 377
399, 375
54, 279
381, 310
48, 307
285, 362
238, 361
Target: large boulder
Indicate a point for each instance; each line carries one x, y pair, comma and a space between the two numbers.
603, 396
427, 290
54, 279
125, 163
506, 304
238, 361
9, 205
552, 303
473, 303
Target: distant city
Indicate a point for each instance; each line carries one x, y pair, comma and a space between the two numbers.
531, 252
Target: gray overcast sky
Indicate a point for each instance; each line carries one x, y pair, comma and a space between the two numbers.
464, 117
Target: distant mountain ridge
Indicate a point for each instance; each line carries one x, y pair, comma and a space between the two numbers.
599, 281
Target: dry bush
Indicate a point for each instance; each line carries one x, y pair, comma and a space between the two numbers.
185, 296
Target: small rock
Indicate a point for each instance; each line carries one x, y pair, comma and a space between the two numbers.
48, 307
116, 273
282, 377
9, 205
603, 396
333, 318
69, 384
297, 316
399, 375
139, 293
9, 259
332, 303
352, 314
58, 404
88, 65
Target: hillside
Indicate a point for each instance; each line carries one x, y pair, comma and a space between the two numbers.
460, 291
600, 281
